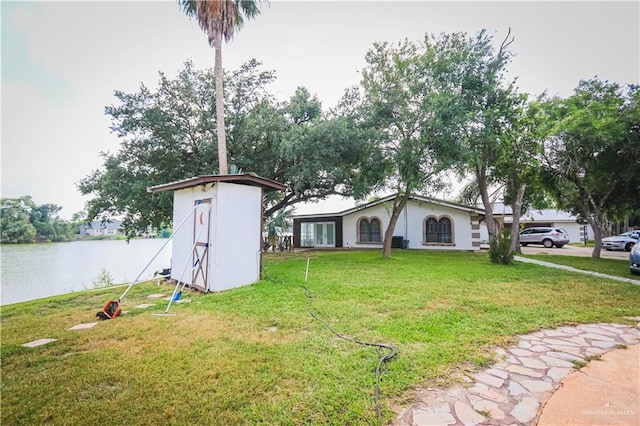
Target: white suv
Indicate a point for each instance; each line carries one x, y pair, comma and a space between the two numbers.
547, 236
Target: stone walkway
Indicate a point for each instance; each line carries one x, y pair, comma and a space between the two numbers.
513, 390
572, 269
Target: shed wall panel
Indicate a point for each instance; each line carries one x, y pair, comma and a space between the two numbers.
237, 244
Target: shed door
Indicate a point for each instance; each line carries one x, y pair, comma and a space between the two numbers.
200, 256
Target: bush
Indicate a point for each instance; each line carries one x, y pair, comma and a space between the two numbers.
104, 279
499, 248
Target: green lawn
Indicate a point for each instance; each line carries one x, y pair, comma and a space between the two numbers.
615, 267
254, 355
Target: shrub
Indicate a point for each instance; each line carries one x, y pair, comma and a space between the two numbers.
499, 248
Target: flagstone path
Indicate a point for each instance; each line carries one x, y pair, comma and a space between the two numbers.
514, 389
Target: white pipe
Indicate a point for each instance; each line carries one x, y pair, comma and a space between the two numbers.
306, 274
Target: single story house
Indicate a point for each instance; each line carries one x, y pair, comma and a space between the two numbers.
98, 228
425, 223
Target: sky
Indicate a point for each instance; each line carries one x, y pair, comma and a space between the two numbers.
62, 62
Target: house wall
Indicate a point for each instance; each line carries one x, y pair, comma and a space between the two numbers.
235, 235
410, 226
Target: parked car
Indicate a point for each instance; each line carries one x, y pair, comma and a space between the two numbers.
624, 241
634, 259
547, 236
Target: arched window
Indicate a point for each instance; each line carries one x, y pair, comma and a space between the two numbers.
369, 230
444, 231
438, 230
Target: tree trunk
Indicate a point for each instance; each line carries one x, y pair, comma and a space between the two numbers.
398, 204
222, 141
516, 212
488, 206
597, 235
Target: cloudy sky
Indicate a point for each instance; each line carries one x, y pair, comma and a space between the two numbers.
62, 61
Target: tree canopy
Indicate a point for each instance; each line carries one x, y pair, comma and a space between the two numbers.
166, 136
592, 154
438, 104
24, 221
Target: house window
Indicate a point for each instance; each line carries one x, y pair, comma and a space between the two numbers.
306, 234
438, 231
369, 230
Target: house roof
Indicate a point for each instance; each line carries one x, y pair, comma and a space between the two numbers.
412, 197
534, 215
250, 179
112, 224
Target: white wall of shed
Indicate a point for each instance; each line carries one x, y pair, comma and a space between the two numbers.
235, 237
236, 251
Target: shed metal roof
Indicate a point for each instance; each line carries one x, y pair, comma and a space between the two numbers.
249, 179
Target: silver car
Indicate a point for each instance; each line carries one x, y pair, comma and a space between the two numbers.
634, 259
547, 236
624, 241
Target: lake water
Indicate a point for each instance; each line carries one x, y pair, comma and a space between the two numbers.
34, 271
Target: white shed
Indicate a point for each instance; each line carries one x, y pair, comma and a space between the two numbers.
219, 247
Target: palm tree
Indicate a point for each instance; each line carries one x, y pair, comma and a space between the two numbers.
220, 18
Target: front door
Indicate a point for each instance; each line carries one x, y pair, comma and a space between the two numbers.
200, 255
325, 234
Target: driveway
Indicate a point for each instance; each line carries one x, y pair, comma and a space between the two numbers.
569, 250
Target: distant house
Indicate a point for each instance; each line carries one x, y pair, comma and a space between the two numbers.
425, 223
98, 228
577, 230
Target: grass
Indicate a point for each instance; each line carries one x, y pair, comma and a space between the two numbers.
254, 355
590, 243
615, 267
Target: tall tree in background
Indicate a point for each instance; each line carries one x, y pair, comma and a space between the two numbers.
407, 98
591, 157
24, 221
483, 114
219, 19
313, 154
519, 164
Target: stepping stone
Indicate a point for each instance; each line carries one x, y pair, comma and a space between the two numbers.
559, 342
526, 410
431, 416
629, 338
520, 352
557, 373
490, 407
603, 344
556, 362
84, 326
498, 372
38, 342
156, 296
467, 415
183, 301
532, 363
524, 371
490, 380
537, 385
143, 306
515, 389
600, 337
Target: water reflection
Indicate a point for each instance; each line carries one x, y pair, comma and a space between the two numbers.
33, 271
